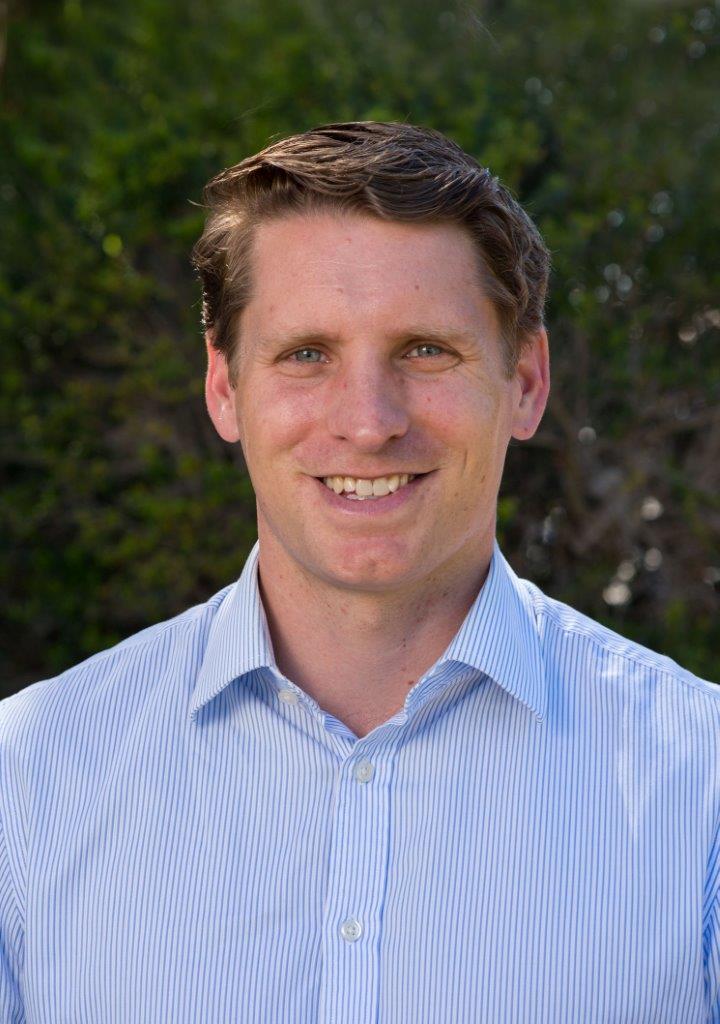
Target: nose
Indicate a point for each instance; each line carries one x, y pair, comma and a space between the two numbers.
368, 406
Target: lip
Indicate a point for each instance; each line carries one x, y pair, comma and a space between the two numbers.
372, 507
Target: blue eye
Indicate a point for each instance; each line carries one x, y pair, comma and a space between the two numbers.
301, 351
427, 345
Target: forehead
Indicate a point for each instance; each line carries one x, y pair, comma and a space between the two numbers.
331, 265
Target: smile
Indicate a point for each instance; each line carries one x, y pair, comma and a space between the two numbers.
362, 488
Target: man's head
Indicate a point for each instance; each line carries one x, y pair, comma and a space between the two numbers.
395, 172
346, 344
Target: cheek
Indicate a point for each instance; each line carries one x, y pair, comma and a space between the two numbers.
474, 432
274, 418
471, 419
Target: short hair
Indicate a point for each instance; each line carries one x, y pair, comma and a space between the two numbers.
393, 171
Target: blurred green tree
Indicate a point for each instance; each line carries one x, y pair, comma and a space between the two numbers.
120, 506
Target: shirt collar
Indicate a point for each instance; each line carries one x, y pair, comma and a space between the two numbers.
239, 639
498, 637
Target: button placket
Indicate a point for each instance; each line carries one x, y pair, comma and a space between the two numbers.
357, 880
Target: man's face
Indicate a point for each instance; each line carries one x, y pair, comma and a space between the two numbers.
369, 350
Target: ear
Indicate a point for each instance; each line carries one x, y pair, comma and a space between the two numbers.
532, 380
219, 394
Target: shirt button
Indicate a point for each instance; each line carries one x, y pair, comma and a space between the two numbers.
288, 696
351, 929
364, 771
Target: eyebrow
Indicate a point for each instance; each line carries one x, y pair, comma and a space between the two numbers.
299, 338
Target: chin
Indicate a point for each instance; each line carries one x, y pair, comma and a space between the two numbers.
369, 570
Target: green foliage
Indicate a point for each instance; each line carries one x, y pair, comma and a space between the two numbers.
120, 506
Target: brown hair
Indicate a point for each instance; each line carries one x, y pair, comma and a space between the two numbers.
393, 171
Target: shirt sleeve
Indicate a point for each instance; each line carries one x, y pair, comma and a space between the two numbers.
11, 939
711, 934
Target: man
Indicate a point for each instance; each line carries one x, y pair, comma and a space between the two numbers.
379, 778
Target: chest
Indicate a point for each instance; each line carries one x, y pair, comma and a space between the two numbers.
448, 883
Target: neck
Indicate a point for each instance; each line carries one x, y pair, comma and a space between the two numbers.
357, 653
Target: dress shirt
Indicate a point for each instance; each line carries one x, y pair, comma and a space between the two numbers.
186, 837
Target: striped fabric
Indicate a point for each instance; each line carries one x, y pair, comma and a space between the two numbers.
187, 838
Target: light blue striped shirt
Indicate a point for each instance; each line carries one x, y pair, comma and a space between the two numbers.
186, 837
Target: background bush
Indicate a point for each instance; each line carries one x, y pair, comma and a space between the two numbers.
120, 506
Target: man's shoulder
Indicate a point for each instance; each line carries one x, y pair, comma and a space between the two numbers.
591, 649
116, 673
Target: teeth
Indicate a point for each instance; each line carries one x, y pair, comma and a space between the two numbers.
365, 488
